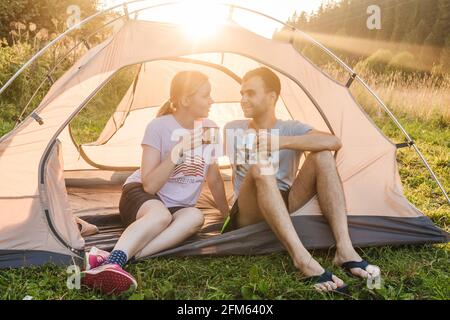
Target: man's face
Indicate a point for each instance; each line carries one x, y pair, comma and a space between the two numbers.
255, 101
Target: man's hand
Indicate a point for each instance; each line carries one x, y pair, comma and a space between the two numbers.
266, 143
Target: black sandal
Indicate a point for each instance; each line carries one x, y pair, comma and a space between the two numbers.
326, 277
347, 266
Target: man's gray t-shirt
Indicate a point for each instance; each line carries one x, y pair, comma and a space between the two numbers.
235, 132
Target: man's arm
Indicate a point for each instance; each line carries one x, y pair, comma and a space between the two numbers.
313, 141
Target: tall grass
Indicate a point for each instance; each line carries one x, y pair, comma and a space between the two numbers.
421, 103
423, 96
89, 123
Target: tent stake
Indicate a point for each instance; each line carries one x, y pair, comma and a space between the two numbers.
350, 80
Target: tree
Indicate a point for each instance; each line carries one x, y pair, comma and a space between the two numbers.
50, 15
419, 33
404, 14
387, 21
441, 27
405, 25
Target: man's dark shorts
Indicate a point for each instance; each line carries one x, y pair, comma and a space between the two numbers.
231, 223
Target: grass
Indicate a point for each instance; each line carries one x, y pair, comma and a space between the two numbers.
408, 272
419, 272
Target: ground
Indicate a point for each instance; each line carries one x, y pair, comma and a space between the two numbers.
408, 272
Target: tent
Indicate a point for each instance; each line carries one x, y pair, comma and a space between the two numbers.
47, 178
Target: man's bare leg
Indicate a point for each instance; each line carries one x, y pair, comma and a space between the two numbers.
319, 175
259, 198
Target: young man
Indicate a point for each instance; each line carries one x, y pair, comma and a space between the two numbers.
268, 195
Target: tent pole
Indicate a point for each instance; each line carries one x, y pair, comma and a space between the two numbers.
322, 47
408, 138
425, 162
51, 43
58, 63
65, 33
381, 103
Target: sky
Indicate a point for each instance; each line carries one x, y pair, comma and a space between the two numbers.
280, 9
197, 14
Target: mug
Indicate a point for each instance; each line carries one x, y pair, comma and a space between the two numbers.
210, 135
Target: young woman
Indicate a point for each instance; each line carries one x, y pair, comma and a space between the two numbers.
157, 205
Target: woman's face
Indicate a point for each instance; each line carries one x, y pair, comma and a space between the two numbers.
201, 101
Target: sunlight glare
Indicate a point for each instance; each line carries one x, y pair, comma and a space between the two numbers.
201, 19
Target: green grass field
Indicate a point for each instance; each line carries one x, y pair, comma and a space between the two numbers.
419, 272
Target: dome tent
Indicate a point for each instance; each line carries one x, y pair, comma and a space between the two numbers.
47, 177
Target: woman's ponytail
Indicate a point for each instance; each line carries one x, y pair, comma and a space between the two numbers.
167, 108
184, 83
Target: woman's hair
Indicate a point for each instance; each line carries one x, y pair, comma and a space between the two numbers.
184, 83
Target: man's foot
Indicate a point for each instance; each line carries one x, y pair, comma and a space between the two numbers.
109, 279
355, 266
324, 281
94, 258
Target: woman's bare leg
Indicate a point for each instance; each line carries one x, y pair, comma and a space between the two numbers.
152, 218
185, 223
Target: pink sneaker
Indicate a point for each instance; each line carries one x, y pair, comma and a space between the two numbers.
94, 258
109, 279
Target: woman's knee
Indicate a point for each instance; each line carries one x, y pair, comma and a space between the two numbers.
195, 217
155, 213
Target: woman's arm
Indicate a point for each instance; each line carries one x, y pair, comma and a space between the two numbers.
155, 172
217, 187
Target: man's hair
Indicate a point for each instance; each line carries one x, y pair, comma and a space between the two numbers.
270, 79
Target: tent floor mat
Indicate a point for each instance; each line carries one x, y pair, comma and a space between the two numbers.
98, 204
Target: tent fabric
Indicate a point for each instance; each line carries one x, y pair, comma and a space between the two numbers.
26, 258
93, 204
36, 211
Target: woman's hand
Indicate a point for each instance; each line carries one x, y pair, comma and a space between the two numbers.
188, 142
217, 188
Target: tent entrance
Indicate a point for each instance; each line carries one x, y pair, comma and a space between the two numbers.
94, 196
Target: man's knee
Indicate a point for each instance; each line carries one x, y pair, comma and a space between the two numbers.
323, 158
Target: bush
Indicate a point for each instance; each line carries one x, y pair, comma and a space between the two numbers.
377, 61
21, 90
403, 62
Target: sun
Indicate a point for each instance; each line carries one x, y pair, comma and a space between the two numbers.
200, 18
